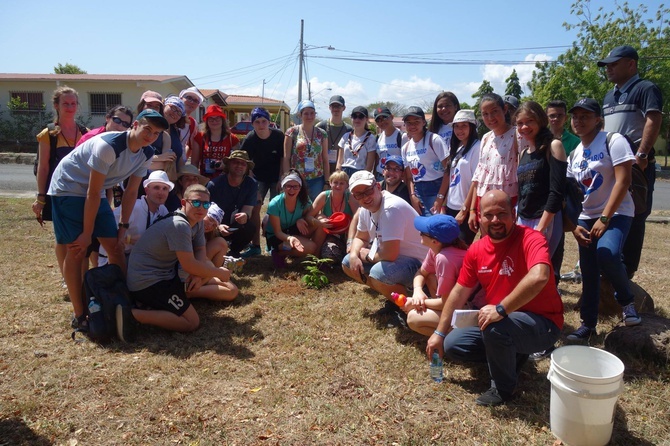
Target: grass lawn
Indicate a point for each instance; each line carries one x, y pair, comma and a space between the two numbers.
282, 365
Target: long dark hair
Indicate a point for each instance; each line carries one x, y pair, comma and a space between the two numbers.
303, 195
544, 137
435, 121
455, 143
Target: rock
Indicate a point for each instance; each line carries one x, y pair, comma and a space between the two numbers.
610, 307
649, 341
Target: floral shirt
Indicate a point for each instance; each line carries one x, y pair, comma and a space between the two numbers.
306, 154
498, 162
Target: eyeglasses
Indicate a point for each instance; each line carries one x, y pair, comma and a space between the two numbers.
173, 112
366, 193
381, 118
394, 169
198, 203
358, 116
191, 99
292, 186
120, 122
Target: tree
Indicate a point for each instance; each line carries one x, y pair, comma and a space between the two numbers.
575, 73
23, 124
396, 109
513, 86
68, 69
483, 89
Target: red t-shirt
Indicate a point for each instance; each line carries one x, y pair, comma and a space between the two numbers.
499, 267
213, 152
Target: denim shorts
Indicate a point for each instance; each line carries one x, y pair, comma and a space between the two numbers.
68, 219
401, 271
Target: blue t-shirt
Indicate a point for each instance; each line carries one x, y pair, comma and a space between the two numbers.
232, 199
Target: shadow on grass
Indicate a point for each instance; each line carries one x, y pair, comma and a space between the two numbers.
15, 432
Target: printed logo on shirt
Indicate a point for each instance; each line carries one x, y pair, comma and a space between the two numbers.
418, 172
455, 177
507, 267
591, 182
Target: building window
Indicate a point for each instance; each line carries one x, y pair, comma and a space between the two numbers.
101, 102
33, 99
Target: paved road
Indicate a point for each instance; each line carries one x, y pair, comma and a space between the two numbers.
17, 180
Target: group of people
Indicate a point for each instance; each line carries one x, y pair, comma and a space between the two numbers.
400, 211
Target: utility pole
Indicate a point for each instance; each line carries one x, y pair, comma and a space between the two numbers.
302, 60
263, 93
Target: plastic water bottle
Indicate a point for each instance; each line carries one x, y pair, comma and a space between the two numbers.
96, 320
285, 246
436, 368
93, 307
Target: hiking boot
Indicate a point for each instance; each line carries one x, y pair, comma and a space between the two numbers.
251, 251
492, 398
572, 276
125, 323
234, 264
538, 356
581, 335
630, 316
278, 260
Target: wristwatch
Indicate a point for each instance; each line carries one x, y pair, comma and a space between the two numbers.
604, 219
440, 196
124, 225
642, 155
501, 310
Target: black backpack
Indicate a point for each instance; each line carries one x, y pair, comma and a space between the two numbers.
104, 289
53, 143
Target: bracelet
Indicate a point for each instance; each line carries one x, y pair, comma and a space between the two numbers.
440, 196
43, 203
41, 195
473, 209
439, 333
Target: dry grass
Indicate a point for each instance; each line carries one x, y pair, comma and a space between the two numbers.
283, 365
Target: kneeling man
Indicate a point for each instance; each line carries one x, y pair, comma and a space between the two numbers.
152, 273
523, 312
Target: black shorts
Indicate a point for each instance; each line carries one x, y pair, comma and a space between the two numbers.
273, 242
167, 295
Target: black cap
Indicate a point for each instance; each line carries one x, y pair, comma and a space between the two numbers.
617, 53
360, 109
414, 111
382, 111
337, 99
588, 104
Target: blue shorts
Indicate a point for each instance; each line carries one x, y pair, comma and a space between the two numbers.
401, 271
68, 219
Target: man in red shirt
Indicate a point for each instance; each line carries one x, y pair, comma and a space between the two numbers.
523, 312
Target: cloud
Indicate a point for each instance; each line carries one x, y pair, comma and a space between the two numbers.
409, 92
496, 73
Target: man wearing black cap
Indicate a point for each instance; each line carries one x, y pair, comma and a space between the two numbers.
633, 108
335, 128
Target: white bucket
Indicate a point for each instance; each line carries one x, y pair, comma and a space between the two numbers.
585, 385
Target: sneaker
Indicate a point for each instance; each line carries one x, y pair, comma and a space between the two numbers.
251, 251
630, 316
582, 334
234, 264
278, 259
125, 323
492, 398
397, 319
538, 356
572, 276
79, 323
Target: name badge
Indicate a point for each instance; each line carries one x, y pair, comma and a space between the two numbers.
309, 164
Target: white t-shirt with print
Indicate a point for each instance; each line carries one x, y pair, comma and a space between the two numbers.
424, 161
462, 170
355, 149
595, 174
445, 133
387, 146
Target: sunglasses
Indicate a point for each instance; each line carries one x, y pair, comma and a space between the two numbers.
191, 99
198, 203
366, 193
381, 118
120, 122
358, 116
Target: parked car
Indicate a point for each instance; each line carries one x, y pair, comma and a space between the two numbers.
244, 127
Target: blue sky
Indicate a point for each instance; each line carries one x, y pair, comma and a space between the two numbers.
236, 46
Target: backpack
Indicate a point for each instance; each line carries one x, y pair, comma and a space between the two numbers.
638, 186
53, 143
104, 289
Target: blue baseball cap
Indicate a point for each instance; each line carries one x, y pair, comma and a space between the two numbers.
394, 159
443, 228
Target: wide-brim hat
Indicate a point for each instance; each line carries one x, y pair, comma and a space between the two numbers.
339, 223
190, 169
240, 155
213, 111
